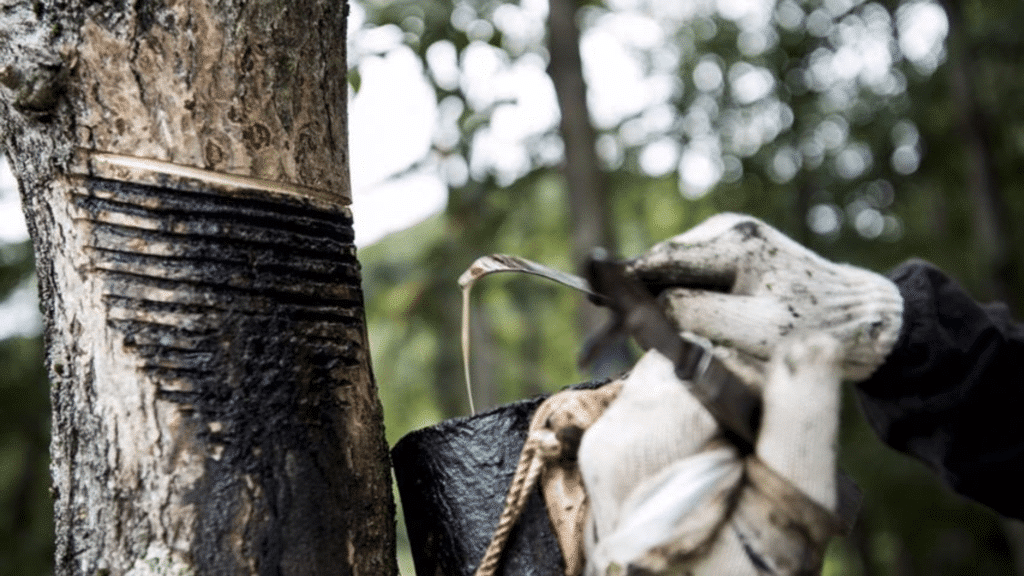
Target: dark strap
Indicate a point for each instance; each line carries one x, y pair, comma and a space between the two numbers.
735, 405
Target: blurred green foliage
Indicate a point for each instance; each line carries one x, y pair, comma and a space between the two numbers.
918, 158
866, 164
26, 523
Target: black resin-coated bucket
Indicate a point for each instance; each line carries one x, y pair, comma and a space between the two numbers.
453, 478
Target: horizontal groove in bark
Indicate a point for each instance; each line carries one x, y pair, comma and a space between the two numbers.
248, 236
202, 277
268, 213
246, 316
192, 312
146, 291
212, 216
167, 357
225, 250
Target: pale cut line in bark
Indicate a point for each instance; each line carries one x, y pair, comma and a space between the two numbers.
189, 334
193, 307
189, 324
224, 300
204, 348
150, 171
162, 278
192, 231
170, 358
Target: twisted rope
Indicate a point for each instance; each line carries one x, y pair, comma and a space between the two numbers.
531, 464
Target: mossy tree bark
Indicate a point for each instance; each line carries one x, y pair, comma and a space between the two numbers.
183, 167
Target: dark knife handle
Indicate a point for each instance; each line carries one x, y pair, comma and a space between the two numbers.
735, 405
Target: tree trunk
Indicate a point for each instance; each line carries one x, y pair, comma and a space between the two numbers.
584, 179
993, 225
184, 170
588, 209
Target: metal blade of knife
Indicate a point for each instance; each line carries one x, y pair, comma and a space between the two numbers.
495, 263
506, 263
730, 400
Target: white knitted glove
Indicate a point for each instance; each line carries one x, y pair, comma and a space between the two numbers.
772, 286
668, 498
653, 422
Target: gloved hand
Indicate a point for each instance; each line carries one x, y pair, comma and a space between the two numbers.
771, 286
668, 496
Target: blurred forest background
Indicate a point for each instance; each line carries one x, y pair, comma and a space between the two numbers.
871, 131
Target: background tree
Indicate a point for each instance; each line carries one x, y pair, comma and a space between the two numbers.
184, 173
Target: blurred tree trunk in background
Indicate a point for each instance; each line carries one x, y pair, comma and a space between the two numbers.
184, 172
584, 180
588, 206
994, 229
996, 234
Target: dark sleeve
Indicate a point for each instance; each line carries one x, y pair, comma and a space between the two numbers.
951, 391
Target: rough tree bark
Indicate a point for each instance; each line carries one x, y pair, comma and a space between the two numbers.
184, 172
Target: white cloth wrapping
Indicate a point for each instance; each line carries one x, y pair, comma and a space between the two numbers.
668, 497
